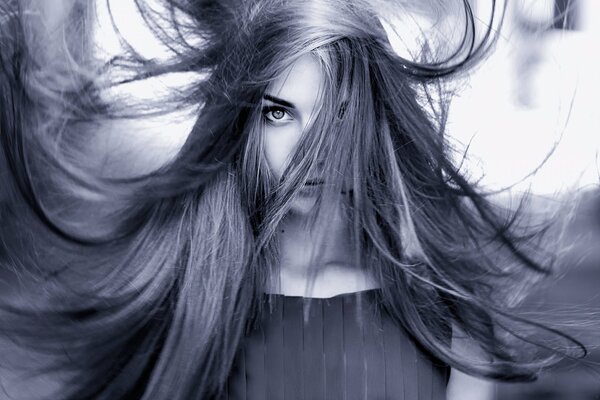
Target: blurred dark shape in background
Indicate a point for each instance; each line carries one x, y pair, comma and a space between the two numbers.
577, 290
566, 13
534, 20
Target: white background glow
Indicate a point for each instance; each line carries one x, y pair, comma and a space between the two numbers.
507, 140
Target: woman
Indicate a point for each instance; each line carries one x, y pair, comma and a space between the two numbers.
316, 175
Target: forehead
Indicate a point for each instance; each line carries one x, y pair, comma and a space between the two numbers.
300, 83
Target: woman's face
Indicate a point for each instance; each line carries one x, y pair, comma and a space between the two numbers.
288, 107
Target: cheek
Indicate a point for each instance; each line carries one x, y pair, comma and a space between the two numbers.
279, 145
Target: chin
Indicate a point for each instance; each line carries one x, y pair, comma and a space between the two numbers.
303, 205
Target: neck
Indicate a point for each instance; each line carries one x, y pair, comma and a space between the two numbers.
318, 261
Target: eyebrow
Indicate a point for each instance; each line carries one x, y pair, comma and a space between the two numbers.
279, 101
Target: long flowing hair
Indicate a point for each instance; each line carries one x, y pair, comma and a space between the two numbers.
144, 286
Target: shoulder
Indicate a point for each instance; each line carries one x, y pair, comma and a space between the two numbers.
466, 387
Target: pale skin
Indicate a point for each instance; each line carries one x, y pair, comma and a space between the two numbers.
288, 106
337, 274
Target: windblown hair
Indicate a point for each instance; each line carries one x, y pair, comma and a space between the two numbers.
142, 287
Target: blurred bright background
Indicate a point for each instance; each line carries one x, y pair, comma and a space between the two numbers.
531, 107
533, 99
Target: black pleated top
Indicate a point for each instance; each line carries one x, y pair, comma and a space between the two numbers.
329, 349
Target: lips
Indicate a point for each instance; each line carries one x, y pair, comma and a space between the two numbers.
314, 182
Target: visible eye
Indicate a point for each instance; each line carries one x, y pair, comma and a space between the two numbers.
276, 114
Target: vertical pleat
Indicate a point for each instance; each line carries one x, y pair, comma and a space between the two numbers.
394, 377
255, 352
374, 354
409, 366
313, 356
353, 348
293, 347
274, 361
337, 351
333, 340
425, 379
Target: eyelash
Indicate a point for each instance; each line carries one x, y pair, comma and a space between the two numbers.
268, 109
